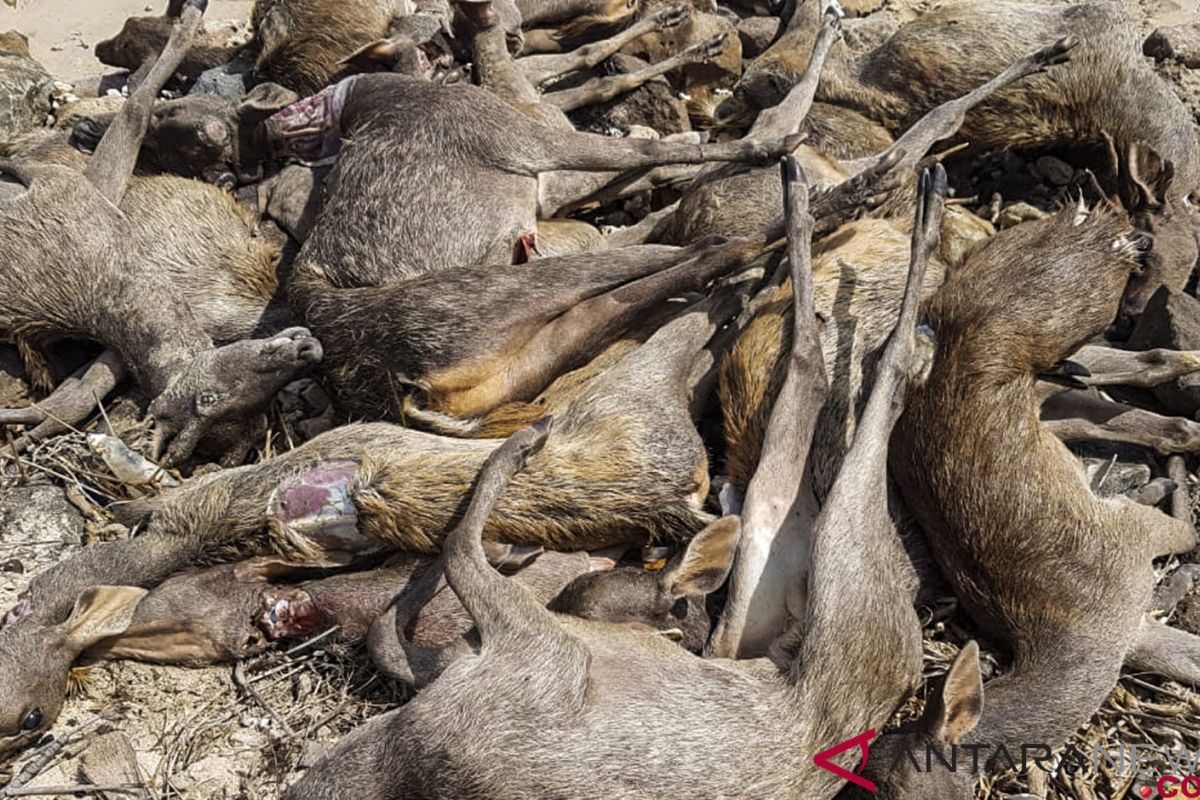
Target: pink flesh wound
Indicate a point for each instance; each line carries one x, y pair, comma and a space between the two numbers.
318, 506
290, 613
311, 129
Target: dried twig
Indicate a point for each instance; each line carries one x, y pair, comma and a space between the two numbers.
77, 788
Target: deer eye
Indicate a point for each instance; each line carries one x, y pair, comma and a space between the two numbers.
32, 721
205, 400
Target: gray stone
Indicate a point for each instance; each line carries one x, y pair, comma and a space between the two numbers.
1172, 320
231, 81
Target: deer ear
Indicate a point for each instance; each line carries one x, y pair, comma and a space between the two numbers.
954, 711
706, 563
380, 51
100, 613
1145, 178
263, 101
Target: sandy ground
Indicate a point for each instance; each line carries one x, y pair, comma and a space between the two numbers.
62, 34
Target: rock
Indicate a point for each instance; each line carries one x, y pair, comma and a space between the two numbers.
1054, 170
209, 777
1172, 320
38, 514
1180, 42
231, 81
756, 34
25, 89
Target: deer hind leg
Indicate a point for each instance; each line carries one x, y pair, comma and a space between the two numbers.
585, 326
498, 73
544, 69
1144, 369
545, 151
600, 90
112, 162
789, 115
945, 120
1076, 415
856, 549
69, 404
1166, 651
778, 507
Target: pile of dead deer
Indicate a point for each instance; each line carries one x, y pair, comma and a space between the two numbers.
524, 327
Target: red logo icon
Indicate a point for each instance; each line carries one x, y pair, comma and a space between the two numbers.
862, 742
1146, 791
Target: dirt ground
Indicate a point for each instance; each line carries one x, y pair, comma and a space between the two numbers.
223, 733
62, 35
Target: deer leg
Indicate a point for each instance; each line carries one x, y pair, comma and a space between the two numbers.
569, 339
600, 90
947, 118
497, 71
833, 207
1076, 415
113, 160
618, 188
779, 507
510, 620
1166, 651
1144, 369
787, 117
856, 547
543, 69
69, 404
546, 150
560, 193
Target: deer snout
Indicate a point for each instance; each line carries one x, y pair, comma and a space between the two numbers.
293, 347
